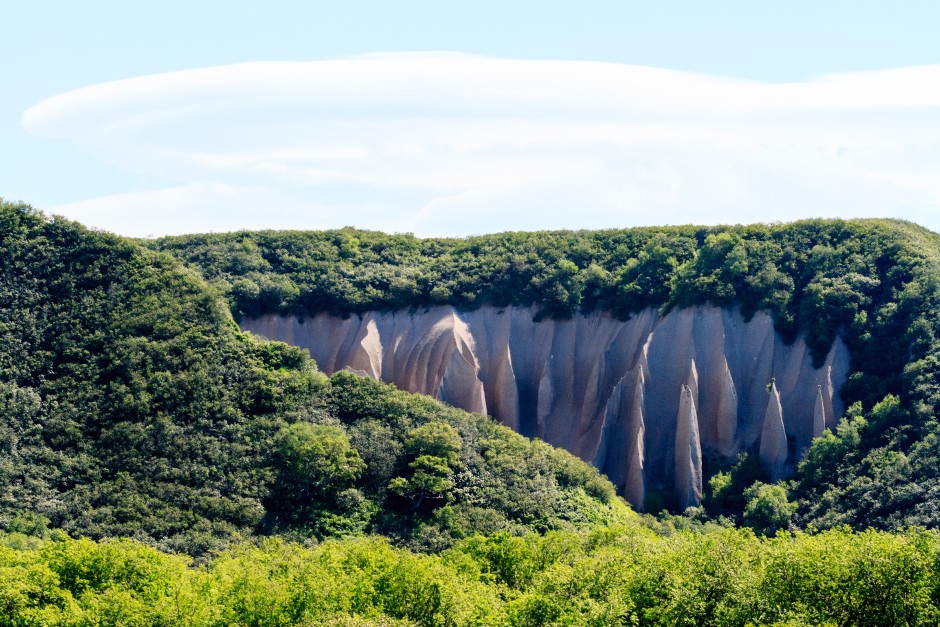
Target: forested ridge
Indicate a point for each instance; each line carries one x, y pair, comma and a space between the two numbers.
131, 405
159, 467
874, 282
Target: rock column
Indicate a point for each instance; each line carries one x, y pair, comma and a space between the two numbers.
819, 414
773, 437
688, 452
634, 489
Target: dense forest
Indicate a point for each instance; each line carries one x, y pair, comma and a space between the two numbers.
160, 467
874, 282
131, 405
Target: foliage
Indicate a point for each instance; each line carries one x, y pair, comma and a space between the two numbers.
615, 576
316, 460
767, 509
129, 403
132, 406
435, 448
437, 473
726, 488
875, 283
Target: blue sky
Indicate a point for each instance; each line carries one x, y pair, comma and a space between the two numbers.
672, 112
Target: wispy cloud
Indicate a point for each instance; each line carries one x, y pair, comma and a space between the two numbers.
440, 143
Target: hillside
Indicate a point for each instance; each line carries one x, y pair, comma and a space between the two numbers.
872, 284
210, 477
132, 405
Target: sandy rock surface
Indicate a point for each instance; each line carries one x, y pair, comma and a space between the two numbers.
617, 393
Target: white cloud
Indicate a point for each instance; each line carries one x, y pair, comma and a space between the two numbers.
454, 144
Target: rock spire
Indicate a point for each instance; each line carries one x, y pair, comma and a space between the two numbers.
773, 437
819, 414
688, 452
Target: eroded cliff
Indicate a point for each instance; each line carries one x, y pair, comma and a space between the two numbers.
644, 399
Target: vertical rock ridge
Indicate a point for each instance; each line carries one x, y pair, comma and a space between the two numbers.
494, 356
574, 382
671, 351
460, 386
505, 393
819, 413
710, 364
367, 356
828, 403
634, 488
773, 437
691, 382
531, 347
726, 416
545, 399
643, 362
762, 364
611, 456
688, 452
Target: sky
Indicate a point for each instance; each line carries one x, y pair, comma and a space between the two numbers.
459, 118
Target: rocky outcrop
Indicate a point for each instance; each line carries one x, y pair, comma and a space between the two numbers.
773, 436
607, 390
688, 452
819, 414
634, 487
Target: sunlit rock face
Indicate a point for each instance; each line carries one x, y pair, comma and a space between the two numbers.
645, 400
688, 489
773, 436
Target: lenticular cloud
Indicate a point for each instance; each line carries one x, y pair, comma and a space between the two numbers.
455, 144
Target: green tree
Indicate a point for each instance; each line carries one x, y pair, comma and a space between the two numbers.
767, 509
435, 448
437, 439
317, 460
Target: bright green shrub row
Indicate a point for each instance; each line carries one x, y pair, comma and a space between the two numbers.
626, 576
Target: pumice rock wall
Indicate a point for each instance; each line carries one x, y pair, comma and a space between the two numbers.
645, 400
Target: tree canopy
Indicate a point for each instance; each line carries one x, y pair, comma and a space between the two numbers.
132, 406
142, 434
875, 283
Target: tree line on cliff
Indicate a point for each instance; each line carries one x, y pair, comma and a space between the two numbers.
874, 282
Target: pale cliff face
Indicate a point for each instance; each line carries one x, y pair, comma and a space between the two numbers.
617, 393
